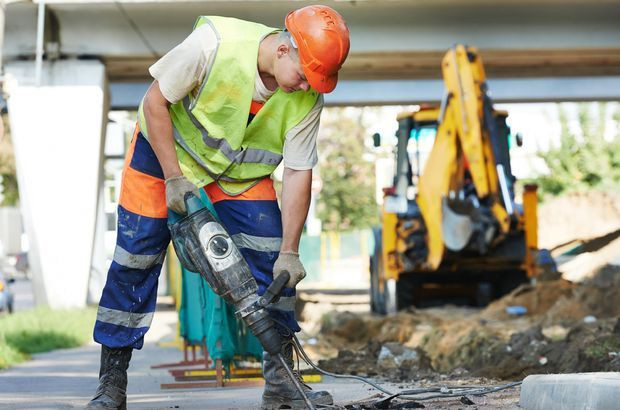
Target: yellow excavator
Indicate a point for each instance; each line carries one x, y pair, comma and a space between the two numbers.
454, 232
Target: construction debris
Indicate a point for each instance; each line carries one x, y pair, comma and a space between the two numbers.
556, 325
567, 327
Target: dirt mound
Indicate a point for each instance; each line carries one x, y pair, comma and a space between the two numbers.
536, 299
561, 301
598, 297
391, 361
586, 348
577, 216
567, 327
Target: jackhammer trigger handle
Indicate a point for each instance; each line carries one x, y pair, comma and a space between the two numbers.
273, 291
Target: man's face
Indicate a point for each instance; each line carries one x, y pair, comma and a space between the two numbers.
288, 72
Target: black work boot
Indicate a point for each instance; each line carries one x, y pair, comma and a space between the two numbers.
112, 390
280, 391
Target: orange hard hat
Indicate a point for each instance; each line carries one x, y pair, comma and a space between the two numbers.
322, 39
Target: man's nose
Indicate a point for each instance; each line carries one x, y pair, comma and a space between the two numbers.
304, 85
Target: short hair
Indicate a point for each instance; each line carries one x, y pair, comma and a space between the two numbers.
286, 35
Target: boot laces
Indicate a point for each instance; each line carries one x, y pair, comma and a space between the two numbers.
295, 354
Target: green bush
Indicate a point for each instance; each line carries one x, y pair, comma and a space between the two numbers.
584, 159
41, 330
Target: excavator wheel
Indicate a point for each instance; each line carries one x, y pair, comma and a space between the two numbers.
383, 299
377, 304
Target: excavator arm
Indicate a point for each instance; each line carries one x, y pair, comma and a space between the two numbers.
463, 154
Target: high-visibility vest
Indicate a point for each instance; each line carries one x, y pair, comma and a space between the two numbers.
212, 137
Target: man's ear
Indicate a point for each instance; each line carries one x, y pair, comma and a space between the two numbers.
282, 50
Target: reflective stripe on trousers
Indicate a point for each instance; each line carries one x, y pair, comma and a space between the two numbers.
254, 222
129, 296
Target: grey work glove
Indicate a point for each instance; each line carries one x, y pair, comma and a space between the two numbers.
289, 261
176, 188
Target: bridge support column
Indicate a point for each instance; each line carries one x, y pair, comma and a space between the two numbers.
58, 134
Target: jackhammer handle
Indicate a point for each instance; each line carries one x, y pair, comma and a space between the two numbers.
273, 290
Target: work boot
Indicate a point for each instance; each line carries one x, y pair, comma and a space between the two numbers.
112, 390
280, 391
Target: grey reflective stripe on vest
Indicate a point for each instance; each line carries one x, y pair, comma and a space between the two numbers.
126, 319
286, 303
249, 155
137, 261
186, 148
257, 243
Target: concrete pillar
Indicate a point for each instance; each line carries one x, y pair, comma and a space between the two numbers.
99, 265
10, 231
57, 131
1, 46
2, 6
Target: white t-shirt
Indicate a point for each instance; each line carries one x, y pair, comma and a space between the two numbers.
182, 70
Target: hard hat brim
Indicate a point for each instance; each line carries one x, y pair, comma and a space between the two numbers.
322, 83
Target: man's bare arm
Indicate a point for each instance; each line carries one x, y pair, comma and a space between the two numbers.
159, 126
295, 202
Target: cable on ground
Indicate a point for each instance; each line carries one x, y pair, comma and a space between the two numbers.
411, 394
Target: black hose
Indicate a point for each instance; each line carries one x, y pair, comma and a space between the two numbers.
300, 389
412, 394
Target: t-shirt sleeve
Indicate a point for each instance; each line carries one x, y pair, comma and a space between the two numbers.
183, 68
300, 142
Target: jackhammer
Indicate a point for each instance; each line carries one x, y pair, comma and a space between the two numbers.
204, 246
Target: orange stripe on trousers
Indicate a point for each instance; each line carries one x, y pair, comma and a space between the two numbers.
262, 191
142, 194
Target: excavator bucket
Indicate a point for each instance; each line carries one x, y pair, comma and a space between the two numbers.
456, 229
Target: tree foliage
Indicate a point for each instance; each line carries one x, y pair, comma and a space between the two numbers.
347, 198
583, 159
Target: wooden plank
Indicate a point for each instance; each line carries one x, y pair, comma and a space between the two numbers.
211, 384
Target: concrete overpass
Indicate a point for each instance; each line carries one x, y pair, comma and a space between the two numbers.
534, 50
94, 56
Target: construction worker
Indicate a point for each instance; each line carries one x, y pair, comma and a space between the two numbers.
226, 106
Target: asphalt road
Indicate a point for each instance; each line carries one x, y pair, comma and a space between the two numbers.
22, 294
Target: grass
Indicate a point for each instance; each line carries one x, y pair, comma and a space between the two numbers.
41, 330
601, 347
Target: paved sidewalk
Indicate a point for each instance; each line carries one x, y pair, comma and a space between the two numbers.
66, 379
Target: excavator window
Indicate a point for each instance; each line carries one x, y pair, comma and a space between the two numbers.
419, 147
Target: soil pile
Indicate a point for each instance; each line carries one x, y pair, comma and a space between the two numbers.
577, 216
567, 327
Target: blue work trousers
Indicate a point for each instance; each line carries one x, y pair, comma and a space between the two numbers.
128, 301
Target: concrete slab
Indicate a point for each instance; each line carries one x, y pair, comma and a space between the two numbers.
599, 391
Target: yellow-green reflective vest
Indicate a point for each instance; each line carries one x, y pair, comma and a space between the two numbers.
212, 137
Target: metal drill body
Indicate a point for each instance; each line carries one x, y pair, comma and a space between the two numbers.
204, 246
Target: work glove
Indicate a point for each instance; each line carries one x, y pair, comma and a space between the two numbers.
289, 261
176, 188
